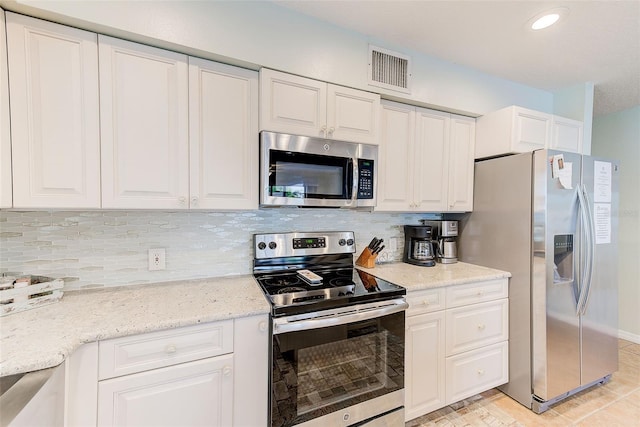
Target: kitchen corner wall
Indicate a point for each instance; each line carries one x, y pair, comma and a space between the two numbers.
110, 248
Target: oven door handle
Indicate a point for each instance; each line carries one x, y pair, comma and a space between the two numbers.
350, 315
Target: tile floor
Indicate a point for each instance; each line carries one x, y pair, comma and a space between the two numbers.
615, 404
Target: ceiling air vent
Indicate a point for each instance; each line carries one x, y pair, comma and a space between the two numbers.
390, 70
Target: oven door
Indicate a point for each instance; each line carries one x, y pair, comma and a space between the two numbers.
339, 367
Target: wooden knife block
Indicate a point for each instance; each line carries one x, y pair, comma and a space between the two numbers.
366, 259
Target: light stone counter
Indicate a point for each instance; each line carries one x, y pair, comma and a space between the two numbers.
415, 277
43, 337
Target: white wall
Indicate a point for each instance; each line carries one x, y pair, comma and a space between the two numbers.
618, 136
260, 33
576, 103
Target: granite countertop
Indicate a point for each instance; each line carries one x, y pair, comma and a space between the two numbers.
43, 337
415, 277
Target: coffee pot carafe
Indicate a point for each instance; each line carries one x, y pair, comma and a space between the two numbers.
419, 246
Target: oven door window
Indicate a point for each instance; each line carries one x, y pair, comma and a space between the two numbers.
309, 176
319, 371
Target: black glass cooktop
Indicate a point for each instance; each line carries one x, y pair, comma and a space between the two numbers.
289, 293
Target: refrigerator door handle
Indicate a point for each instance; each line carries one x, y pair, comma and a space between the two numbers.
585, 279
591, 249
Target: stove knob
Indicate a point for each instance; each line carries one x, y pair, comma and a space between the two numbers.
341, 294
262, 245
272, 245
349, 293
350, 242
342, 242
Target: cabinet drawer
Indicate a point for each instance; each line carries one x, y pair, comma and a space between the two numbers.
477, 325
472, 293
127, 355
425, 301
476, 371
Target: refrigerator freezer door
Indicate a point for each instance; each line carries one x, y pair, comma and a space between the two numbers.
600, 318
556, 274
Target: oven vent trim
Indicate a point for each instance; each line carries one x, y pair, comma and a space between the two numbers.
389, 69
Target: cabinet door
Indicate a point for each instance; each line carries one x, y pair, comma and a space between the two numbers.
395, 157
144, 126
424, 364
566, 135
431, 159
190, 394
54, 114
352, 115
223, 122
292, 104
6, 198
531, 130
461, 158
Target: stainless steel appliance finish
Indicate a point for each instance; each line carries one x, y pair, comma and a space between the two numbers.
550, 218
419, 246
316, 172
338, 345
447, 231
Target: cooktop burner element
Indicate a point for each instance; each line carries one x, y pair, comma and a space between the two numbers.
279, 257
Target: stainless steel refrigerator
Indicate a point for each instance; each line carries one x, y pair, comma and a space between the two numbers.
550, 218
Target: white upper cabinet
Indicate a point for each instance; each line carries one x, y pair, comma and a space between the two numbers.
6, 191
144, 126
302, 106
223, 122
566, 135
461, 157
518, 130
431, 157
55, 137
425, 160
396, 163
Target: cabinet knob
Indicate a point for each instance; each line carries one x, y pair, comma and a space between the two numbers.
183, 200
194, 201
425, 303
170, 349
480, 371
331, 129
481, 326
226, 371
480, 293
262, 326
323, 129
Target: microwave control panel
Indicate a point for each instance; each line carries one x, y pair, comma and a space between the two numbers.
365, 179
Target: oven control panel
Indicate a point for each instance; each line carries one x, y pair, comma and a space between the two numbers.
309, 242
276, 245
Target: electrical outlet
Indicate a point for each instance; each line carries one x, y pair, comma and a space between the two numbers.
393, 244
156, 259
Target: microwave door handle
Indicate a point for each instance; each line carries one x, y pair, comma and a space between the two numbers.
354, 187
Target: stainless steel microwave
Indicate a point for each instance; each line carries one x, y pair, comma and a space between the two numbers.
316, 172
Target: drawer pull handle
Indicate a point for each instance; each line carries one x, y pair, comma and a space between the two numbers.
262, 326
226, 371
480, 371
170, 349
481, 326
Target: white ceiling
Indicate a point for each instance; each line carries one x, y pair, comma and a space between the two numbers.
597, 41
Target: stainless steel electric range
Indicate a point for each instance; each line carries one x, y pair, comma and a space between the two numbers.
337, 333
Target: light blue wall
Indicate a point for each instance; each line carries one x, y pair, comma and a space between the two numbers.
618, 136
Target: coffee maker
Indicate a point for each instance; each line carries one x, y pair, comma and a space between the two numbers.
447, 242
419, 246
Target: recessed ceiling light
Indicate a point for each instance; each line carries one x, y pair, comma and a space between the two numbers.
547, 18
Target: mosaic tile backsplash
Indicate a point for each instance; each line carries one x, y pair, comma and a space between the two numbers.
110, 248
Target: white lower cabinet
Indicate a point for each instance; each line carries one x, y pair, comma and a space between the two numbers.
212, 374
190, 394
456, 344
